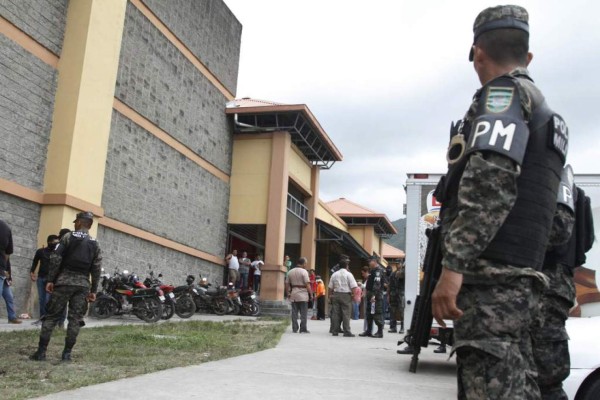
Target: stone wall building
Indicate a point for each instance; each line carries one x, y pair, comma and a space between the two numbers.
118, 107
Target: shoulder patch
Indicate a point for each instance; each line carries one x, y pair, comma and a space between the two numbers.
499, 98
565, 189
559, 136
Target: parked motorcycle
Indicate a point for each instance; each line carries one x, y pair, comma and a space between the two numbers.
123, 293
170, 301
209, 300
250, 304
180, 300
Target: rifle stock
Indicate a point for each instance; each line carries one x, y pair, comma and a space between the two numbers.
422, 318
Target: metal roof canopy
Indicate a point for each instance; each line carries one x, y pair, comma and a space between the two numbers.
381, 225
326, 232
305, 131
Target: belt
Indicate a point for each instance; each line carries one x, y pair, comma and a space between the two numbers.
343, 292
299, 286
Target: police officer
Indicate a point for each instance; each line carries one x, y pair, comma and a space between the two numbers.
396, 299
76, 258
375, 288
570, 239
498, 201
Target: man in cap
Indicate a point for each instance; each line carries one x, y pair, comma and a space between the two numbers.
77, 258
375, 288
498, 201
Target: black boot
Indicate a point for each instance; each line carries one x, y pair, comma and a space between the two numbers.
66, 354
40, 354
406, 350
441, 349
379, 333
365, 333
401, 327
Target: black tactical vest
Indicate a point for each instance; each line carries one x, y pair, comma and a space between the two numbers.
522, 239
79, 254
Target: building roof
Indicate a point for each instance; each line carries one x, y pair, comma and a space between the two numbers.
356, 214
255, 116
390, 251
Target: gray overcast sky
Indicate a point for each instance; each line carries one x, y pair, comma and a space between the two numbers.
386, 77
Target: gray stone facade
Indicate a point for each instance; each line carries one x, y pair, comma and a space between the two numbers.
209, 29
23, 217
157, 81
121, 251
149, 185
26, 106
43, 20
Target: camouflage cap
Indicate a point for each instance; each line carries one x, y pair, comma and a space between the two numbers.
84, 215
499, 17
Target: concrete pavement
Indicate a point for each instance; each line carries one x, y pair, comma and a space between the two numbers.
301, 366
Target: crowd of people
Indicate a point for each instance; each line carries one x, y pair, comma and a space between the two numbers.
379, 293
66, 273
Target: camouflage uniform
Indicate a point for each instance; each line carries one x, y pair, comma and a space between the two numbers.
375, 287
70, 288
499, 299
549, 335
396, 290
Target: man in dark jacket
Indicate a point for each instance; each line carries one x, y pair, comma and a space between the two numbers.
41, 264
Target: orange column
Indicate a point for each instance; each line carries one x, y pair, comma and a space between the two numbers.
309, 232
272, 284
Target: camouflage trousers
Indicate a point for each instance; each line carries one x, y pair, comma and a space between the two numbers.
377, 316
75, 297
492, 341
396, 310
550, 339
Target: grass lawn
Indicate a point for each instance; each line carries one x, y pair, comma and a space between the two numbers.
109, 353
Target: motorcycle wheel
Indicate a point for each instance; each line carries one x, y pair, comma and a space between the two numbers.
149, 309
185, 306
220, 306
254, 309
103, 308
167, 310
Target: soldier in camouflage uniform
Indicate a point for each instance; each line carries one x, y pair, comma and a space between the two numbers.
375, 287
76, 258
396, 293
550, 339
498, 201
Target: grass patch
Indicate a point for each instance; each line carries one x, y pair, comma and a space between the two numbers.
114, 352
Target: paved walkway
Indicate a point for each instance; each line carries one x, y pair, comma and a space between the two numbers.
301, 366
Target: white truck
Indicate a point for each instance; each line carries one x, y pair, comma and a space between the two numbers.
422, 211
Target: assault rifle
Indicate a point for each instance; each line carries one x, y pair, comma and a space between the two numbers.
422, 318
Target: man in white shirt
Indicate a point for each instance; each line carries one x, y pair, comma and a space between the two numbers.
233, 266
341, 284
257, 265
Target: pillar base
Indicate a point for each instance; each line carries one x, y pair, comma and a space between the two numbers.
275, 308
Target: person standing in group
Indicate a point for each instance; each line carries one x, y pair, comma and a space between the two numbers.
396, 299
233, 266
6, 249
320, 299
341, 286
312, 276
375, 288
287, 263
299, 292
498, 201
41, 261
364, 272
357, 300
257, 265
77, 262
244, 270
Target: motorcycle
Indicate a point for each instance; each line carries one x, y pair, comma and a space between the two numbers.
123, 293
235, 303
250, 304
209, 300
170, 301
179, 300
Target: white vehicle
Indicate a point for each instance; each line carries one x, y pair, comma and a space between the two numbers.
584, 381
